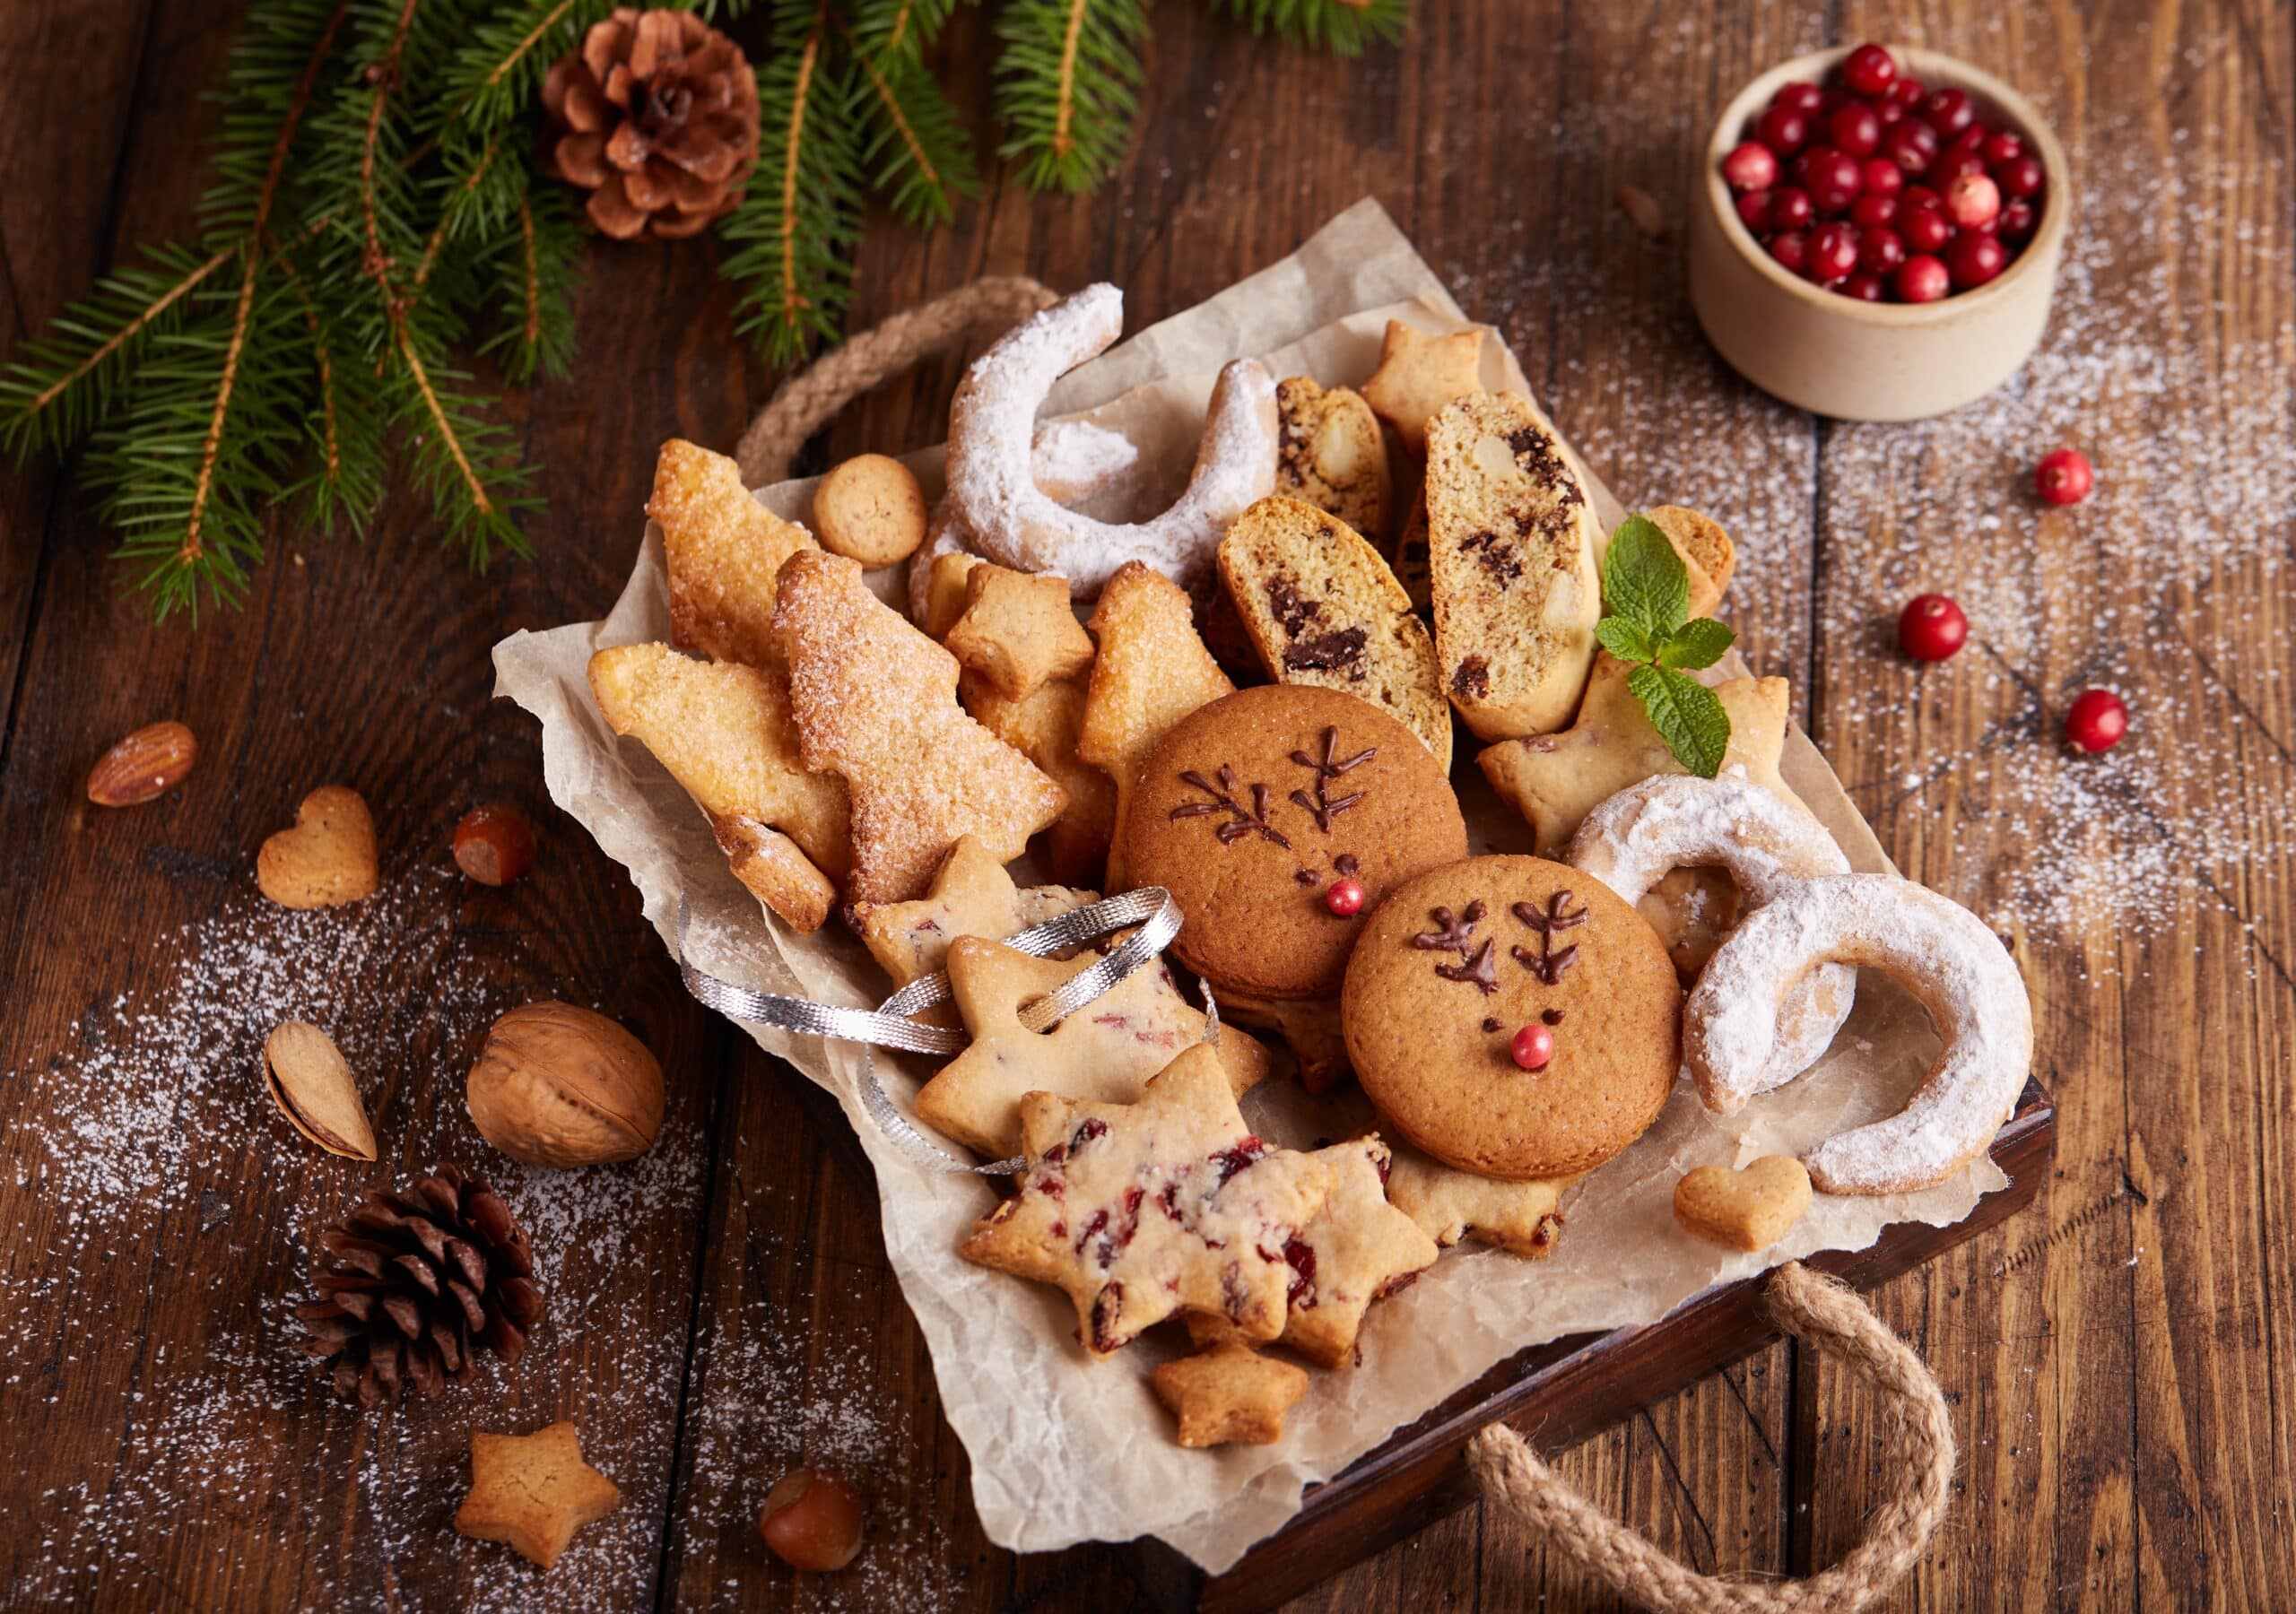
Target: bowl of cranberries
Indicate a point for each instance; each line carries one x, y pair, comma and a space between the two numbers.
1878, 232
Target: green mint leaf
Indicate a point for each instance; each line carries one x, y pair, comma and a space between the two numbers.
1625, 639
1697, 643
1644, 581
1687, 715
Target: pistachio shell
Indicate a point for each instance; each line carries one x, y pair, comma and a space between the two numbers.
312, 1085
561, 1086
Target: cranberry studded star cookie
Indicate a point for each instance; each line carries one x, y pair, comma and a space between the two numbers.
1140, 1211
972, 895
1513, 1018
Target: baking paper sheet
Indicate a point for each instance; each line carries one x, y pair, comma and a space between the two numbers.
1066, 1450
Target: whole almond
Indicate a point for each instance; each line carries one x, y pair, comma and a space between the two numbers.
150, 762
312, 1085
561, 1086
327, 858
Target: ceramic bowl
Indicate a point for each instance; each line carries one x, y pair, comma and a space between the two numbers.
1857, 360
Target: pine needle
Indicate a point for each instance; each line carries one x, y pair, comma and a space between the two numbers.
1342, 27
917, 150
1067, 87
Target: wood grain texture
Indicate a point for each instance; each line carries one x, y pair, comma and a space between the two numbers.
2116, 1355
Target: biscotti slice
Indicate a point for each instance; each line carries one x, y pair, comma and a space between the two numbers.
1511, 544
1322, 608
1329, 452
1705, 549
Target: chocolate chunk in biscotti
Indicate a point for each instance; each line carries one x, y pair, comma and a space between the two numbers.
1331, 453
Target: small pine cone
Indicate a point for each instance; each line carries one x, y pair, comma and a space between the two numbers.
656, 119
416, 1284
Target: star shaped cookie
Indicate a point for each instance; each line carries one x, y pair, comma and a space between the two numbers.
1017, 630
972, 895
1418, 374
1449, 1205
875, 703
1230, 1396
1107, 1050
532, 1492
722, 549
1140, 1211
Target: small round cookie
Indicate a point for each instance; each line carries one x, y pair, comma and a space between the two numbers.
1463, 961
1257, 810
870, 509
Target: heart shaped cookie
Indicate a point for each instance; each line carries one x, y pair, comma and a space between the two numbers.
327, 858
1749, 1209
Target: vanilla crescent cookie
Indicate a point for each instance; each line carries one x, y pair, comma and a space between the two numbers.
1940, 952
993, 494
1680, 821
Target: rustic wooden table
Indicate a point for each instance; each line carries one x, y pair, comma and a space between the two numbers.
2116, 1355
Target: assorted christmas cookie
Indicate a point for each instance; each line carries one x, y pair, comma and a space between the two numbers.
1418, 374
1524, 1219
869, 508
722, 551
1513, 1018
1322, 608
532, 1492
1229, 1395
1046, 727
1017, 631
1748, 1209
1309, 1025
972, 895
1331, 453
1278, 816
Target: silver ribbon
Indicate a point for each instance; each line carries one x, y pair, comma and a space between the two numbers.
892, 1024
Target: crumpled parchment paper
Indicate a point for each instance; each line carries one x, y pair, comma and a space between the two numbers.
1064, 1449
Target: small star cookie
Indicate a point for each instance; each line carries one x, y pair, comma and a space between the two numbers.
1107, 1050
875, 703
1153, 670
972, 895
1450, 1205
532, 1492
723, 550
1230, 1396
1044, 728
1418, 374
1140, 1211
1017, 630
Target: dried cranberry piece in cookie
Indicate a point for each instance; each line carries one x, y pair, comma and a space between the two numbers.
1219, 1246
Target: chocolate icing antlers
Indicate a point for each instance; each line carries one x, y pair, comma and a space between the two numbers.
996, 498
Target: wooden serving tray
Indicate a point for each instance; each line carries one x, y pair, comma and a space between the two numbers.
1559, 1393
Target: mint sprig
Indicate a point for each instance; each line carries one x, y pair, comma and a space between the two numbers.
1647, 623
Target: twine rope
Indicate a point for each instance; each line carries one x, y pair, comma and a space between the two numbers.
804, 402
1825, 1314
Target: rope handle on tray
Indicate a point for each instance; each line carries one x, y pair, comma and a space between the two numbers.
1827, 1315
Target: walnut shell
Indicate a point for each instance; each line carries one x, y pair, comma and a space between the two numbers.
561, 1086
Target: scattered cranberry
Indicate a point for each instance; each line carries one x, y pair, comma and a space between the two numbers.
1950, 167
812, 1521
1831, 176
1880, 252
2015, 227
1792, 251
493, 845
1974, 259
1906, 93
1971, 139
1534, 1044
1921, 278
1790, 209
1873, 213
2095, 722
1833, 253
1926, 228
1344, 897
1783, 130
2065, 476
2002, 146
1855, 129
1888, 111
1750, 165
1807, 100
2021, 176
1948, 111
1866, 288
1973, 202
1918, 196
1881, 178
1869, 70
1754, 209
1932, 627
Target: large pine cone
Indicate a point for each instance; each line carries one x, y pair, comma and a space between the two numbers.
656, 119
417, 1284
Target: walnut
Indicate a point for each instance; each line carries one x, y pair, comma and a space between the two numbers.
561, 1086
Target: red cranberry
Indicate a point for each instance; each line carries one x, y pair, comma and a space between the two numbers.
1921, 278
1881, 176
1869, 70
1888, 111
1790, 208
1792, 251
1925, 229
1750, 165
1753, 208
2065, 476
1855, 129
1907, 92
1880, 251
1783, 130
1833, 253
1344, 897
1806, 98
2003, 146
1832, 99
1948, 111
1911, 145
2020, 175
1974, 259
2095, 722
1973, 202
2015, 225
1865, 288
1871, 211
1831, 176
1932, 627
1534, 1044
1951, 167
1919, 195
1971, 139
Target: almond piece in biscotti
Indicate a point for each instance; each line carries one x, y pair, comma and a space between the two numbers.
327, 859
1330, 453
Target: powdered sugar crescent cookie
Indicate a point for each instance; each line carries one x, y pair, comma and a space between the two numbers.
1682, 821
1071, 460
1941, 953
993, 489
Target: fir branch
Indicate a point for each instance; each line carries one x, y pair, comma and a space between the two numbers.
1342, 27
498, 72
268, 85
1066, 83
899, 28
541, 258
346, 481
916, 145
